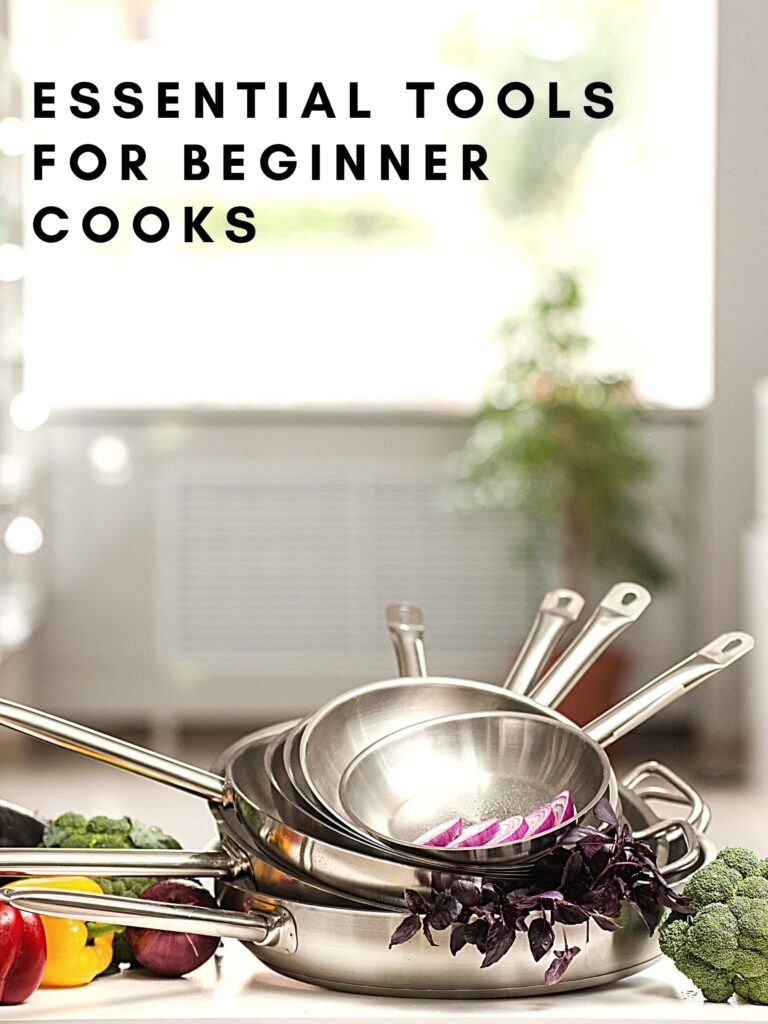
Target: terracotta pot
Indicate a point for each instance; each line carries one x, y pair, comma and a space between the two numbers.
600, 688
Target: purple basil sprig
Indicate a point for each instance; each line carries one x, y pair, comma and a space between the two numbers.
585, 878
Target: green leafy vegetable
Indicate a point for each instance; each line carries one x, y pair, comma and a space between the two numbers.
722, 944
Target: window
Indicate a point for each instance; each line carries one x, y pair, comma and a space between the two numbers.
373, 293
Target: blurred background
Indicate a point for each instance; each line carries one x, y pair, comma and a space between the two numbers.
219, 463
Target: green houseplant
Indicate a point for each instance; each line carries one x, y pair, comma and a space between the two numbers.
560, 446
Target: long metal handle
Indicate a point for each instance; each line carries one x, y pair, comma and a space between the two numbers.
622, 605
26, 861
643, 780
405, 623
559, 609
263, 928
665, 689
116, 752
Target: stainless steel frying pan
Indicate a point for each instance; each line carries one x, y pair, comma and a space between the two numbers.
621, 606
342, 730
344, 948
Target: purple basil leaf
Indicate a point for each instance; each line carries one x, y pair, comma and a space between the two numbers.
458, 939
498, 943
605, 923
427, 932
577, 834
604, 812
569, 913
540, 938
415, 901
445, 911
572, 869
560, 964
466, 892
405, 930
475, 932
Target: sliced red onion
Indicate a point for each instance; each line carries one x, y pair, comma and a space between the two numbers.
477, 835
442, 834
510, 831
563, 807
540, 820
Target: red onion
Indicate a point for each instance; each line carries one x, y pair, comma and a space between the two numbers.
562, 805
476, 835
172, 954
442, 834
540, 820
510, 831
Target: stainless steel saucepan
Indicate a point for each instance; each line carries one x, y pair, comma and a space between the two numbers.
345, 948
333, 736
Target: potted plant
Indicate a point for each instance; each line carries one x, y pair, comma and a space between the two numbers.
560, 446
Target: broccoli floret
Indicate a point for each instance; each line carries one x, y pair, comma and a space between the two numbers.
750, 964
723, 947
752, 916
754, 887
101, 825
125, 886
71, 822
740, 859
753, 989
714, 883
672, 937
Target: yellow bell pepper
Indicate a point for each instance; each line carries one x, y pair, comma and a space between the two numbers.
70, 961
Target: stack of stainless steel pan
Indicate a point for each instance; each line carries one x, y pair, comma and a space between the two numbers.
314, 852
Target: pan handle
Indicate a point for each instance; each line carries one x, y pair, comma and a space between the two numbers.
116, 752
672, 828
676, 790
103, 863
264, 928
405, 623
622, 605
666, 688
559, 609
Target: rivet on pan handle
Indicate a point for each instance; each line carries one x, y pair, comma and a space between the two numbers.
665, 689
559, 609
116, 752
406, 627
622, 605
265, 929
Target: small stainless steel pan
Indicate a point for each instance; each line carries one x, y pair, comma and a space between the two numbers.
499, 764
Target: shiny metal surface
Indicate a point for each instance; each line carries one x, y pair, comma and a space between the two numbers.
347, 949
334, 736
491, 764
622, 605
557, 612
668, 687
406, 628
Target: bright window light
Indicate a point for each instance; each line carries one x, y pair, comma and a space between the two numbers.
109, 455
28, 411
13, 262
14, 136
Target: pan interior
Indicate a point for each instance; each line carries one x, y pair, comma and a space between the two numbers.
491, 765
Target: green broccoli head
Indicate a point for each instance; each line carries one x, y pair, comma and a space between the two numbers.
102, 825
714, 883
739, 859
125, 886
723, 947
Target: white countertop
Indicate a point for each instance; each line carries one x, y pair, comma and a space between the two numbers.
236, 986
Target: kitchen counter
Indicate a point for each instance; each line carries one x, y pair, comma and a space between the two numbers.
236, 986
